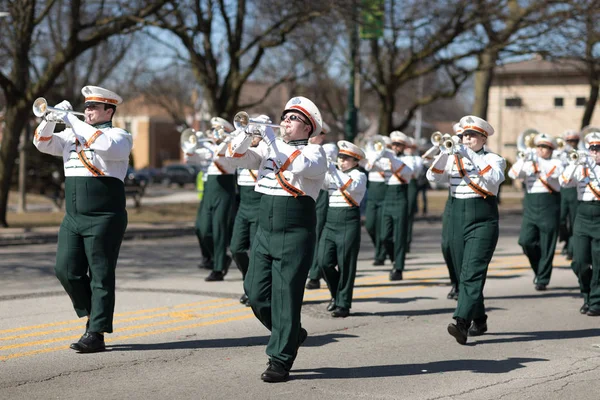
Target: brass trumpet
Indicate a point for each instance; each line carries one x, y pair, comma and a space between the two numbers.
41, 109
192, 140
242, 120
375, 146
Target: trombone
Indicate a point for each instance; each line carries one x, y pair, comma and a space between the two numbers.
41, 109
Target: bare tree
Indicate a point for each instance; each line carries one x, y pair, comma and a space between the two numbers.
417, 42
226, 42
27, 74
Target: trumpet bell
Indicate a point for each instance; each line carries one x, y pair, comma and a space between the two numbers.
188, 140
40, 106
241, 120
436, 138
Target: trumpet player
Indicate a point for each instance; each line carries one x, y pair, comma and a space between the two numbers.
290, 174
583, 174
340, 241
394, 225
541, 206
377, 179
568, 196
322, 203
214, 217
95, 156
475, 176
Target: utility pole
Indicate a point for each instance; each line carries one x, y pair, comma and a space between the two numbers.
22, 205
352, 111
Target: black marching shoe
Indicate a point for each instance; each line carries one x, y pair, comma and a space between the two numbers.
395, 275
459, 330
378, 263
584, 308
244, 300
331, 305
274, 373
477, 328
340, 312
592, 312
90, 342
75, 346
540, 287
313, 284
453, 292
214, 276
227, 264
302, 337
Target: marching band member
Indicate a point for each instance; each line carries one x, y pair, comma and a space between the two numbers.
314, 275
213, 220
246, 218
412, 159
475, 176
583, 174
377, 187
541, 206
290, 175
568, 196
340, 241
446, 233
394, 225
95, 156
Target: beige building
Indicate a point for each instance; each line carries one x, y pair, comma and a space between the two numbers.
535, 94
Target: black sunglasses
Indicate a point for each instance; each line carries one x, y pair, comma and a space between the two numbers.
293, 117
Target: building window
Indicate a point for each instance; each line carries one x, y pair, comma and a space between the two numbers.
580, 101
559, 102
513, 102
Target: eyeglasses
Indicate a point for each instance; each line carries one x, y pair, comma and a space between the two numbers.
293, 117
595, 148
544, 147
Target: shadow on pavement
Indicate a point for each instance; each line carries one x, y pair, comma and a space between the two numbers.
540, 335
311, 341
381, 371
415, 313
534, 296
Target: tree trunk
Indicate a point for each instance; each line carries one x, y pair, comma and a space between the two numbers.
483, 81
14, 123
590, 105
386, 114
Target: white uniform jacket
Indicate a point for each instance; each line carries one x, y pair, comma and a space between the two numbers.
296, 168
101, 151
540, 176
470, 175
399, 172
346, 189
214, 156
585, 178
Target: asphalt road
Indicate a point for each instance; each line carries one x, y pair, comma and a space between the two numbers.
179, 337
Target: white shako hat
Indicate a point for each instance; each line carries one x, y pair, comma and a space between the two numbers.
398, 137
386, 140
458, 130
476, 124
350, 149
411, 142
307, 108
325, 129
544, 139
331, 151
96, 94
571, 134
592, 139
218, 122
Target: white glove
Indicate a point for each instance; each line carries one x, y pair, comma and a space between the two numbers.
64, 105
332, 168
268, 135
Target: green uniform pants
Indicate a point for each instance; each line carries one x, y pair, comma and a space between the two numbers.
394, 227
374, 216
214, 222
244, 227
281, 255
539, 231
586, 251
339, 247
412, 210
321, 209
568, 211
446, 243
206, 254
89, 241
473, 237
